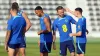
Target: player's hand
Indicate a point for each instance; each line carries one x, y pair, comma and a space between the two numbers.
70, 34
67, 9
39, 33
87, 31
6, 48
54, 46
39, 43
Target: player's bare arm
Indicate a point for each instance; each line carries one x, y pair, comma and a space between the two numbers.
28, 23
24, 30
54, 39
70, 11
7, 39
48, 26
76, 34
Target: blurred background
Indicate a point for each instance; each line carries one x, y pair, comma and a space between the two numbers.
91, 10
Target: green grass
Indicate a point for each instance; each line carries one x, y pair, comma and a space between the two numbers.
93, 48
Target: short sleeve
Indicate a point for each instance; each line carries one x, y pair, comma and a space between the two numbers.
80, 26
72, 20
9, 26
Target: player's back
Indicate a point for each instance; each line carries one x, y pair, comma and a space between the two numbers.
20, 12
17, 30
48, 36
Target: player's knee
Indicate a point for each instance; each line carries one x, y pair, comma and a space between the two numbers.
23, 54
81, 54
73, 54
17, 55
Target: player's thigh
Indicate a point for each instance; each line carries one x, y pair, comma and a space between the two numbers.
11, 50
63, 48
22, 48
49, 46
77, 55
41, 54
17, 52
39, 43
80, 47
71, 46
22, 51
81, 54
72, 54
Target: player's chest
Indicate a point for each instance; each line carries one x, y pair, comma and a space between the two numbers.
41, 21
62, 22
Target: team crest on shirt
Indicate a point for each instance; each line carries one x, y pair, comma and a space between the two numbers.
79, 26
58, 23
66, 20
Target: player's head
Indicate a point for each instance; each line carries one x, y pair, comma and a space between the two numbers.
14, 7
78, 11
39, 11
60, 11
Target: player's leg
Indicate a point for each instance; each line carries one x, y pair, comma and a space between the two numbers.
17, 52
72, 54
45, 54
41, 49
48, 46
22, 51
45, 48
77, 55
41, 54
11, 49
81, 54
63, 49
80, 48
39, 43
71, 47
22, 48
11, 52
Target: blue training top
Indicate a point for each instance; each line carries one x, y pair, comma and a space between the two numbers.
46, 37
64, 27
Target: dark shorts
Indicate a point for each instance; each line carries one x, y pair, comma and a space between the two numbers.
67, 44
19, 45
45, 47
80, 48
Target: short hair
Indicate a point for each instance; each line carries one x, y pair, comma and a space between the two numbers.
38, 8
79, 9
15, 6
59, 7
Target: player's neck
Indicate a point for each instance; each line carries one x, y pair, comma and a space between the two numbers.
14, 14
